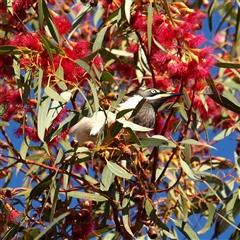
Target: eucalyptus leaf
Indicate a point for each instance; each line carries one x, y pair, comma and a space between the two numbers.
118, 170
106, 179
87, 196
186, 230
195, 142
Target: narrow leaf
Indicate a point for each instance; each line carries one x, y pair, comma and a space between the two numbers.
152, 142
133, 126
53, 94
42, 115
149, 26
49, 227
81, 14
210, 218
87, 196
107, 179
127, 9
194, 142
186, 230
226, 103
99, 39
152, 214
118, 170
37, 190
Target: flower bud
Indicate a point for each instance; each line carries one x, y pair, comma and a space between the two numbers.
74, 143
152, 233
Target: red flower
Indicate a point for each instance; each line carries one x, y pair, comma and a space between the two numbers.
12, 101
31, 132
29, 40
62, 23
210, 110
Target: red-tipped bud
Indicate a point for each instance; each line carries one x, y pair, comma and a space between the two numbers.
74, 143
89, 144
152, 233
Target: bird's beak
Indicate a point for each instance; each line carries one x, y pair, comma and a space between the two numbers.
169, 94
164, 95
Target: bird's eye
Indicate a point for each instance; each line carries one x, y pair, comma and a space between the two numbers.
153, 91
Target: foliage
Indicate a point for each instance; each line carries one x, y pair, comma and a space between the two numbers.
62, 60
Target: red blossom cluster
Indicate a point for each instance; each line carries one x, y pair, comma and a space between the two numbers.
179, 58
81, 221
33, 56
17, 16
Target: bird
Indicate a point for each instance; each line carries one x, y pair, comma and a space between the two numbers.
88, 128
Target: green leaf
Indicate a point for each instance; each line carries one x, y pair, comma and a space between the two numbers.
187, 151
47, 45
227, 94
95, 96
81, 14
134, 138
187, 169
149, 26
10, 50
23, 152
137, 108
168, 12
49, 227
38, 85
87, 68
143, 60
56, 108
54, 95
210, 218
227, 65
223, 134
127, 9
38, 190
133, 126
42, 116
99, 39
184, 208
226, 103
26, 86
186, 230
59, 76
236, 35
118, 170
53, 192
107, 77
211, 84
51, 26
152, 142
194, 142
186, 98
125, 217
209, 177
87, 196
40, 13
116, 128
123, 112
3, 123
152, 214
107, 179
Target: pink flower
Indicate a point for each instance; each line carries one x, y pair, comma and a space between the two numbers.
219, 38
13, 216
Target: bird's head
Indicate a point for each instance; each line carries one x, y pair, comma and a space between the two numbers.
154, 96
